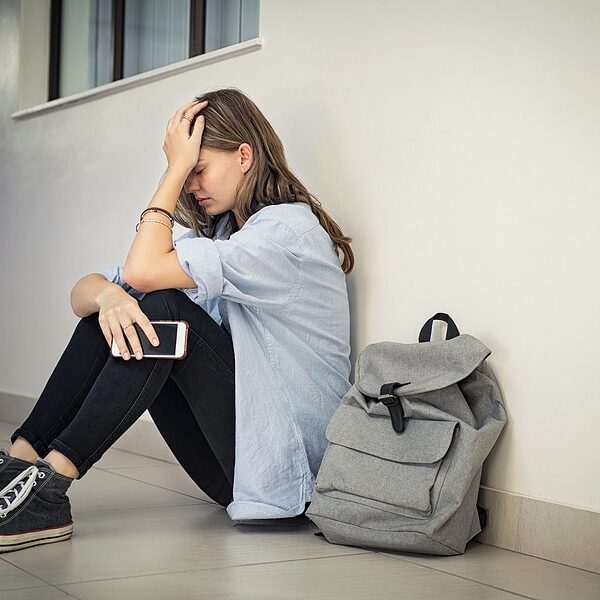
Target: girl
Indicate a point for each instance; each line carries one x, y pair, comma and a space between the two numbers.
259, 281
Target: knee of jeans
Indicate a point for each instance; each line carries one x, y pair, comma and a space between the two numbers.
90, 323
160, 304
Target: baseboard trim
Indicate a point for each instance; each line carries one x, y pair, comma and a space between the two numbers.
556, 532
141, 438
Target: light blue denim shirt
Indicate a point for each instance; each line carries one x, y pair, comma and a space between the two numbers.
278, 287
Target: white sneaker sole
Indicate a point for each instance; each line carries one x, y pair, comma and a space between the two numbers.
18, 541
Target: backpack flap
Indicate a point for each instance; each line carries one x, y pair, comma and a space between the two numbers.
371, 462
421, 367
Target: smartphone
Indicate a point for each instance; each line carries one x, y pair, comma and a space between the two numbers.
172, 337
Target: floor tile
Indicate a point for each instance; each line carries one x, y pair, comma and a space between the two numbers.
100, 490
122, 543
165, 475
6, 430
144, 530
114, 458
349, 577
527, 575
12, 578
38, 593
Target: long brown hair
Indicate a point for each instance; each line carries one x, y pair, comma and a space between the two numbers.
231, 119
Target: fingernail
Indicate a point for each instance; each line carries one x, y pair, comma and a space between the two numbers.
155, 341
138, 355
126, 356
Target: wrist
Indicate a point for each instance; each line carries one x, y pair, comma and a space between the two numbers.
178, 171
104, 290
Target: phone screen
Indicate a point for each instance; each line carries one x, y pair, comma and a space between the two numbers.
167, 336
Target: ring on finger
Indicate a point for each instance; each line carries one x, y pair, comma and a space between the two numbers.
128, 325
184, 117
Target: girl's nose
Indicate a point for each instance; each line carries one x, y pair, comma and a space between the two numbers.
191, 183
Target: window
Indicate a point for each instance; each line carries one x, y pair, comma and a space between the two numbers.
93, 42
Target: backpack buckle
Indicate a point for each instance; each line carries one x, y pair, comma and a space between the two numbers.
387, 398
393, 404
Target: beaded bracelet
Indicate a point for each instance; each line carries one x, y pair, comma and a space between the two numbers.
152, 221
158, 209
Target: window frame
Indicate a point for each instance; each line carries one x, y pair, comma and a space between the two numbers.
196, 46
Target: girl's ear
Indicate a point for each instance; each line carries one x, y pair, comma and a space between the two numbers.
247, 156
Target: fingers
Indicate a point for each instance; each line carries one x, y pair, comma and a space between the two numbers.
134, 341
144, 322
196, 135
181, 111
176, 119
195, 109
189, 111
125, 331
117, 334
198, 130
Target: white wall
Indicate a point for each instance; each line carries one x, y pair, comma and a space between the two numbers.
458, 142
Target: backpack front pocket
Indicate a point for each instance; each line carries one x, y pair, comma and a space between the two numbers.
368, 459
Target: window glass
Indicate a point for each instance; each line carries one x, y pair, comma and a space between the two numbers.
230, 22
85, 45
94, 42
157, 33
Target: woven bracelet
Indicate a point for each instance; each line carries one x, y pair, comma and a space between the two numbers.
160, 210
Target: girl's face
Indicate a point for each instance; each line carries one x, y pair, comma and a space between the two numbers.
215, 178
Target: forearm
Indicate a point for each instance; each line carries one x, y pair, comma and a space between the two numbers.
85, 293
152, 240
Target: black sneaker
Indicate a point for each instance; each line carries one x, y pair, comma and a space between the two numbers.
10, 466
5, 459
34, 507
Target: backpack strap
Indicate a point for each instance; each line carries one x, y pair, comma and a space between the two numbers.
452, 332
386, 395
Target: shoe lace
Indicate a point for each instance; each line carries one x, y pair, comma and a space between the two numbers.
16, 492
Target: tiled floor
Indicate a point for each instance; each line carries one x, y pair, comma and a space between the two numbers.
143, 530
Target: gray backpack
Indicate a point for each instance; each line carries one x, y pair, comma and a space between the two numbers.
406, 446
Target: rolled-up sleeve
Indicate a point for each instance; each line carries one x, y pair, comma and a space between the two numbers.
114, 274
200, 259
258, 265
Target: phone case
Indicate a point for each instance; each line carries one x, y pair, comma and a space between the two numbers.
117, 354
185, 339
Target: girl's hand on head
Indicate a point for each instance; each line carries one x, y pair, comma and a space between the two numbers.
181, 147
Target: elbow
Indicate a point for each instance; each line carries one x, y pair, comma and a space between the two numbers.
135, 279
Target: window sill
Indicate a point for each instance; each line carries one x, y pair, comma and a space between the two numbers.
142, 78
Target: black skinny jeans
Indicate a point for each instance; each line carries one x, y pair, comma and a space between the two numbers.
92, 397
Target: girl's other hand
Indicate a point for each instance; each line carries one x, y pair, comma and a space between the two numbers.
181, 147
117, 310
